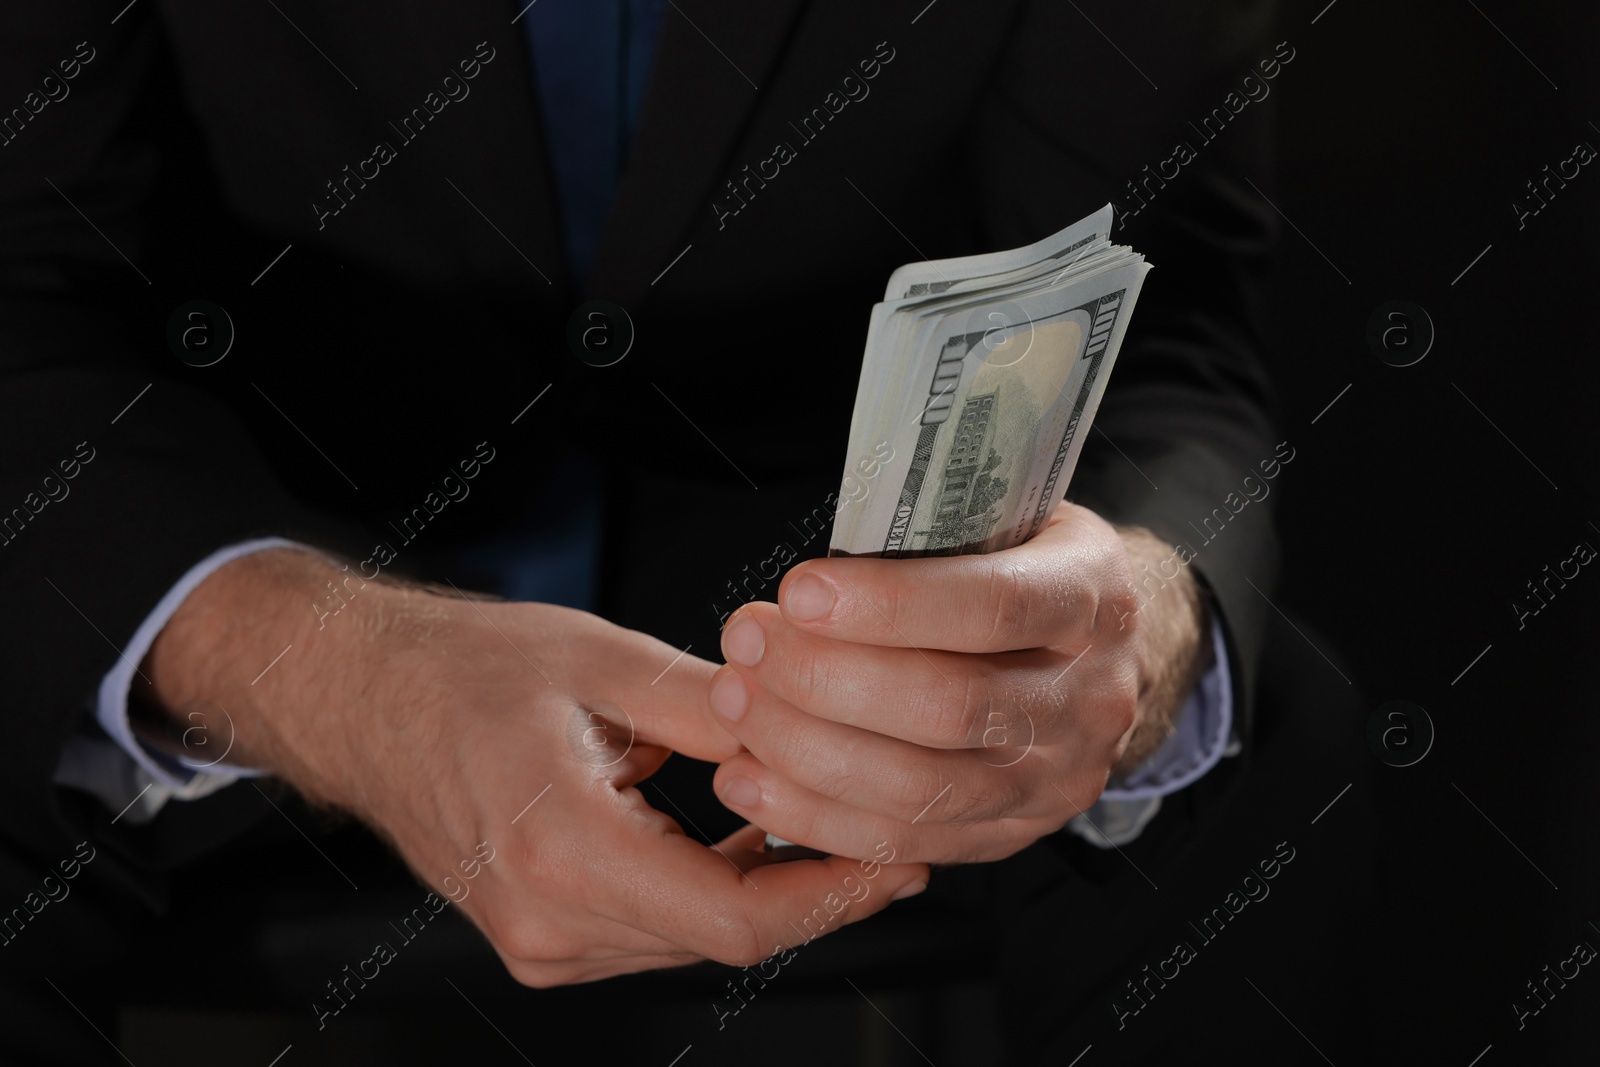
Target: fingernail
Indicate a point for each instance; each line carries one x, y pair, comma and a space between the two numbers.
910, 889
809, 599
743, 642
741, 792
730, 698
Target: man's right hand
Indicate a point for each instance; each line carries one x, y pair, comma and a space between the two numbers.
439, 721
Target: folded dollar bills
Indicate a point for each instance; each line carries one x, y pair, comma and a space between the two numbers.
980, 379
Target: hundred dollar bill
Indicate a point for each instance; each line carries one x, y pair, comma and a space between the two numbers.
985, 400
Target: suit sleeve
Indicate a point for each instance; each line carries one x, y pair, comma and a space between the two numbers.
119, 474
1073, 120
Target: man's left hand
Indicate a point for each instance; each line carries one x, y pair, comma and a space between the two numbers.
962, 707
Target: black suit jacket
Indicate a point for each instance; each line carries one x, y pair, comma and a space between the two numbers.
363, 188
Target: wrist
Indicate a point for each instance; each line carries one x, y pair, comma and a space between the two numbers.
1172, 636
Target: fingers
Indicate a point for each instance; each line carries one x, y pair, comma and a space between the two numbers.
659, 693
928, 697
868, 770
797, 814
730, 904
632, 949
1047, 592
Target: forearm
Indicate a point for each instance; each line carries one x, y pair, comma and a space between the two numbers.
251, 641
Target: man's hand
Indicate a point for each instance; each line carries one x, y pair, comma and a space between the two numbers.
962, 707
440, 721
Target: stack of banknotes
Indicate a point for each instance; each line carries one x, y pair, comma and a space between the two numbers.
980, 380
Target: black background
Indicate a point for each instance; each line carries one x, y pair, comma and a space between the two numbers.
1413, 523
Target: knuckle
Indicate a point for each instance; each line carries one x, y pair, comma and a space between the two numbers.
807, 671
788, 749
521, 935
1011, 605
916, 785
984, 799
963, 807
833, 782
1122, 713
1115, 709
954, 719
827, 769
1031, 707
1117, 600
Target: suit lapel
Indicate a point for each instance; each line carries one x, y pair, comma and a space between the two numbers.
509, 198
712, 57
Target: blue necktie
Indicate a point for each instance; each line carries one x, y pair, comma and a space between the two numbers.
591, 59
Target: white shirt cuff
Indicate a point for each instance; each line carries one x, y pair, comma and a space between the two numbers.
129, 777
